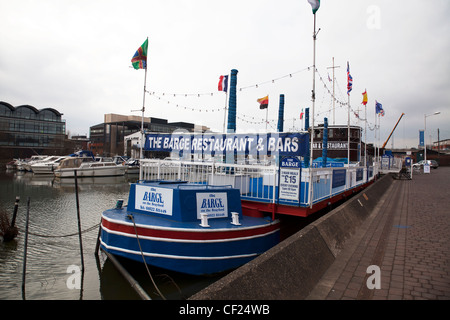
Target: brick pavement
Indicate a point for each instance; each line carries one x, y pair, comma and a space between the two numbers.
407, 237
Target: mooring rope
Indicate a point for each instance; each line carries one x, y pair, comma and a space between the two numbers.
66, 235
143, 258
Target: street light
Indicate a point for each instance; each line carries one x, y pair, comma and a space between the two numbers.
425, 130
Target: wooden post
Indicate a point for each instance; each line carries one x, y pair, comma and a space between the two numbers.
24, 270
16, 206
79, 221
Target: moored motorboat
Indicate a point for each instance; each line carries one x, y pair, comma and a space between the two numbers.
189, 228
25, 165
87, 167
47, 166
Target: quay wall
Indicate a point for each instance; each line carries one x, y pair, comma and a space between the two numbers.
291, 269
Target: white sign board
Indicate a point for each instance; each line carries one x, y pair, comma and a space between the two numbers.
426, 168
214, 204
289, 179
154, 199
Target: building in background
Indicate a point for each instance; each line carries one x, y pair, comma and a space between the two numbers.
442, 146
25, 131
108, 138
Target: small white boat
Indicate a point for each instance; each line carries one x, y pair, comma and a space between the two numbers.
25, 165
87, 167
12, 165
132, 166
47, 166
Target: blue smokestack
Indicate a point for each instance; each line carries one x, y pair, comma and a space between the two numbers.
325, 142
281, 114
306, 119
232, 102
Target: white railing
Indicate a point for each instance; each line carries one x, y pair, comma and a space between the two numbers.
258, 182
250, 179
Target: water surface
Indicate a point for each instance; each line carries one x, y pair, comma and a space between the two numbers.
53, 252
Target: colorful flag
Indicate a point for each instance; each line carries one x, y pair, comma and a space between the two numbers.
301, 114
223, 83
139, 60
349, 79
263, 102
315, 4
364, 102
379, 108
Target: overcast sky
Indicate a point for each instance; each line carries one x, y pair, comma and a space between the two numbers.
74, 56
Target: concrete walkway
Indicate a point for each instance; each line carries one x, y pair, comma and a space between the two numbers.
407, 238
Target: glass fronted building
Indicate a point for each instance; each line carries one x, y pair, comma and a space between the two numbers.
107, 139
25, 130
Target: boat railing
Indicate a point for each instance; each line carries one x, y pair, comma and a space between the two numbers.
261, 183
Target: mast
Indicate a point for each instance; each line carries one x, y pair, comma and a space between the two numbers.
313, 95
334, 99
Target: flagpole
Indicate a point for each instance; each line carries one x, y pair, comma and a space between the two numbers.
375, 138
143, 110
379, 137
313, 98
267, 114
348, 129
313, 95
365, 136
358, 124
225, 113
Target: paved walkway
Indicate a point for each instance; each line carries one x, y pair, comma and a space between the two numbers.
407, 237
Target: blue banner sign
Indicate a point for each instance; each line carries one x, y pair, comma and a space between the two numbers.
290, 162
282, 144
339, 178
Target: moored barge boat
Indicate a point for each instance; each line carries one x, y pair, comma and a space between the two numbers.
188, 228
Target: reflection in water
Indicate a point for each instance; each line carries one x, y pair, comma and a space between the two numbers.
51, 253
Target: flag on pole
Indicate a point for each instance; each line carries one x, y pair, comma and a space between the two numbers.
315, 4
263, 102
364, 102
349, 79
301, 114
379, 108
139, 60
223, 83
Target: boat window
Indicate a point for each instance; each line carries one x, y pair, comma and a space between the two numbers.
330, 133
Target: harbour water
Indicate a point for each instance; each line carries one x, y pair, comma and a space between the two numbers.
53, 252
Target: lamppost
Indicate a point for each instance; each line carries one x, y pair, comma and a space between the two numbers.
425, 131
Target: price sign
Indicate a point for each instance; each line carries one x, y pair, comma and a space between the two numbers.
289, 178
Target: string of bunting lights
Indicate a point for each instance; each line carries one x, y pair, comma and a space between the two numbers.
371, 126
243, 117
257, 85
251, 119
